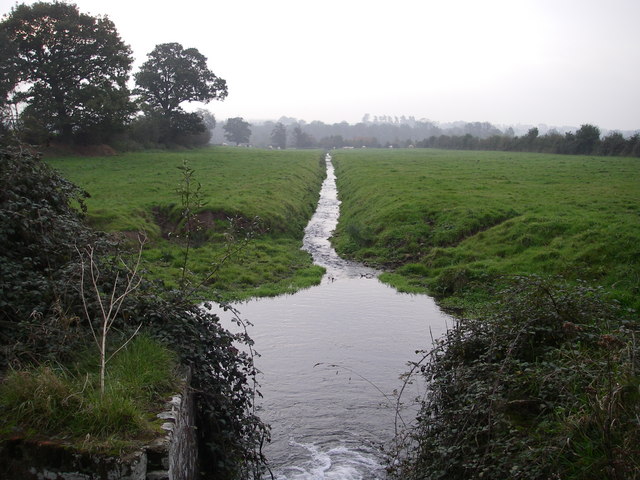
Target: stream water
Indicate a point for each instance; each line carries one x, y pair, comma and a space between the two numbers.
331, 358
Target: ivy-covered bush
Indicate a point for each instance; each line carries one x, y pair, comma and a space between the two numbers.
39, 228
545, 387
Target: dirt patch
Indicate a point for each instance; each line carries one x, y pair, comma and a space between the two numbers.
207, 219
163, 220
61, 150
202, 222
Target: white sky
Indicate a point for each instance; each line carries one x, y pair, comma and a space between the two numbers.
557, 62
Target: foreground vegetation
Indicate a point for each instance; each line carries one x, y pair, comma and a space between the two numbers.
235, 194
68, 289
539, 379
544, 385
458, 224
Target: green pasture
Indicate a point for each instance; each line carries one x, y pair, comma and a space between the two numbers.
139, 192
457, 223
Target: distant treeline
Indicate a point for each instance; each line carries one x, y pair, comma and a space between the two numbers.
586, 140
381, 132
407, 132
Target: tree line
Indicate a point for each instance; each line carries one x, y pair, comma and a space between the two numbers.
64, 78
403, 133
383, 131
587, 140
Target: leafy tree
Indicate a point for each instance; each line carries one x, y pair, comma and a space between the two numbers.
633, 146
208, 118
279, 136
236, 130
75, 68
172, 75
587, 139
182, 128
333, 141
8, 78
613, 144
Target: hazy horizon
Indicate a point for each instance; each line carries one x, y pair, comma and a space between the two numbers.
529, 62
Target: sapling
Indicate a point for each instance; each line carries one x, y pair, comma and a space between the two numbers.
191, 197
109, 303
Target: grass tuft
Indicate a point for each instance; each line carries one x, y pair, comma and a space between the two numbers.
49, 400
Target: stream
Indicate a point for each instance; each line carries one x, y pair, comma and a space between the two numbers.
331, 358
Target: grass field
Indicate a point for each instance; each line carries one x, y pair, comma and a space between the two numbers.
456, 223
140, 192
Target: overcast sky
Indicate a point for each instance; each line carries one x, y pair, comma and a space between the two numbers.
555, 62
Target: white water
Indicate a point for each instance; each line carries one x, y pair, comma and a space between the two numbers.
331, 357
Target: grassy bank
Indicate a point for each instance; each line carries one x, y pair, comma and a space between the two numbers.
458, 223
141, 192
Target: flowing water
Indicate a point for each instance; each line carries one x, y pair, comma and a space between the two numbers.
331, 358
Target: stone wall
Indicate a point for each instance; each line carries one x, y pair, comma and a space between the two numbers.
173, 456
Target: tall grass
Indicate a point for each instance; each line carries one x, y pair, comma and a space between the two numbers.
455, 223
66, 403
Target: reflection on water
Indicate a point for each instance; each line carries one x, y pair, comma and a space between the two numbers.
331, 357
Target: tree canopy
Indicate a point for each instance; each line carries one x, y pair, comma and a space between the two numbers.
172, 75
74, 66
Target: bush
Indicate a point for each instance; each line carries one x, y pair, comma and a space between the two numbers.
39, 231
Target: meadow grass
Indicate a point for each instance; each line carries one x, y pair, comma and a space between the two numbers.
457, 223
66, 403
139, 192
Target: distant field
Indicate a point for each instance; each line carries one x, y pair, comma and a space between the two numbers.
138, 192
456, 223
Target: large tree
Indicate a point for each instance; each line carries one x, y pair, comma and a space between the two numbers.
236, 130
587, 139
172, 75
70, 70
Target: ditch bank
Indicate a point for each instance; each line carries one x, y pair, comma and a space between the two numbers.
171, 456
